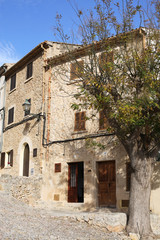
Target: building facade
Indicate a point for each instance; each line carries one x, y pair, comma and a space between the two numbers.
81, 164
3, 69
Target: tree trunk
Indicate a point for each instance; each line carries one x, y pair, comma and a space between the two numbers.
139, 206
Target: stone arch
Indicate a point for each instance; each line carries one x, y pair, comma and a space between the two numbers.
24, 153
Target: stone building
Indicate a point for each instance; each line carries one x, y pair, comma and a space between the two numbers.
60, 157
3, 69
79, 172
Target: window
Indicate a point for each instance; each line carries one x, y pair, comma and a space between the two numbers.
80, 119
29, 70
57, 167
2, 160
76, 70
128, 176
13, 82
11, 115
27, 112
10, 158
35, 152
103, 123
105, 57
8, 161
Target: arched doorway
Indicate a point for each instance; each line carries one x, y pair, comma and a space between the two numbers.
26, 161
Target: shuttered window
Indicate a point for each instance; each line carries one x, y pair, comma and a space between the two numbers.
128, 176
76, 70
35, 152
2, 160
105, 57
29, 70
13, 82
10, 158
80, 119
103, 123
11, 115
57, 167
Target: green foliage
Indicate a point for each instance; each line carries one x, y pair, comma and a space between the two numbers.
94, 144
122, 76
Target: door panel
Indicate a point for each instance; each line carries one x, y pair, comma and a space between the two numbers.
107, 184
72, 183
75, 182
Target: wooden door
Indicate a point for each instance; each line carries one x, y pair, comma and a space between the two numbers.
72, 182
107, 184
75, 182
26, 161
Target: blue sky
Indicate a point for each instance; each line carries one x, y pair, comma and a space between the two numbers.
26, 23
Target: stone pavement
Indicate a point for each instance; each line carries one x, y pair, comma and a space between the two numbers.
19, 221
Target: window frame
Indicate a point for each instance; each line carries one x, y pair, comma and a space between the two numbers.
75, 68
80, 121
9, 158
29, 72
13, 82
2, 160
103, 123
10, 117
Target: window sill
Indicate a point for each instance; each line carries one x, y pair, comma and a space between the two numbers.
102, 131
10, 123
28, 79
12, 90
79, 132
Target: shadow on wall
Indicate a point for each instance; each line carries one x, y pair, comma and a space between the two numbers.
156, 176
78, 151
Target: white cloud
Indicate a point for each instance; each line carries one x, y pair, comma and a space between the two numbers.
7, 53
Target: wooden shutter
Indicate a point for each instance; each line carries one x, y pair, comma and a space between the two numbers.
13, 82
128, 176
2, 160
80, 121
76, 70
103, 123
57, 167
77, 119
104, 58
11, 158
10, 115
29, 70
35, 152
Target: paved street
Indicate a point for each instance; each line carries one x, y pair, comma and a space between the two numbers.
22, 222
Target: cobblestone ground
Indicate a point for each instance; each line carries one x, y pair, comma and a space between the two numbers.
18, 221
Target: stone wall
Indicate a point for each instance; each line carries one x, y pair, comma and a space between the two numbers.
23, 188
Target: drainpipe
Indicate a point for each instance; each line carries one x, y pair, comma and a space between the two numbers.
48, 112
42, 140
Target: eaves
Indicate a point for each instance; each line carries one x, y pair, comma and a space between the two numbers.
34, 52
98, 46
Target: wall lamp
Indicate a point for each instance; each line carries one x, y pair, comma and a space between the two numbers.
27, 107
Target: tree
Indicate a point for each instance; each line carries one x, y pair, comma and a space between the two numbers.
122, 77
